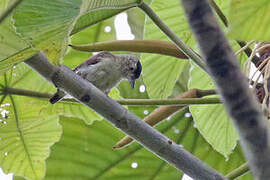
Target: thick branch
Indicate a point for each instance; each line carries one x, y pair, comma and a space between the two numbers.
140, 46
238, 99
9, 9
65, 79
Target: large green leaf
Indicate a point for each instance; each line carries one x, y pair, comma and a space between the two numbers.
160, 73
26, 134
249, 20
46, 25
212, 120
136, 21
95, 159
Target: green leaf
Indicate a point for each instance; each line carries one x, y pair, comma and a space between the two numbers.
95, 159
93, 34
96, 11
33, 20
12, 48
136, 21
160, 73
26, 134
212, 120
46, 24
249, 20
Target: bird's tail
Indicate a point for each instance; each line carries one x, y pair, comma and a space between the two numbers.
57, 97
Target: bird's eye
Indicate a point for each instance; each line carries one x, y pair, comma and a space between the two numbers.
131, 69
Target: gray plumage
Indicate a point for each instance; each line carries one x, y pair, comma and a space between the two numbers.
105, 71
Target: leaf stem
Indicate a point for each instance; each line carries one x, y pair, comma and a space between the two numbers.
141, 46
184, 101
238, 171
25, 92
9, 9
179, 43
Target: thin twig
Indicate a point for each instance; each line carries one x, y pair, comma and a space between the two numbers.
183, 101
240, 171
134, 102
239, 101
9, 9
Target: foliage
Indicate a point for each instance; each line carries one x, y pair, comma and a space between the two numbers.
249, 20
30, 126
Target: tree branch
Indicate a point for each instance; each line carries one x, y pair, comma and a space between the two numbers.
179, 43
9, 9
65, 79
164, 112
139, 46
240, 103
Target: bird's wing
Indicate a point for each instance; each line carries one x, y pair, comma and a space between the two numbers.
94, 60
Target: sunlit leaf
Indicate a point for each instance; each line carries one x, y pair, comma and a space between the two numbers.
160, 73
12, 48
46, 25
249, 20
26, 134
212, 120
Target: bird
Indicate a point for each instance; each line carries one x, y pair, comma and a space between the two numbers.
105, 71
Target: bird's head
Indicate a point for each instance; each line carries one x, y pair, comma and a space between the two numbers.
131, 69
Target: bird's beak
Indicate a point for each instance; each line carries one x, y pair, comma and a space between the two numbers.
132, 82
